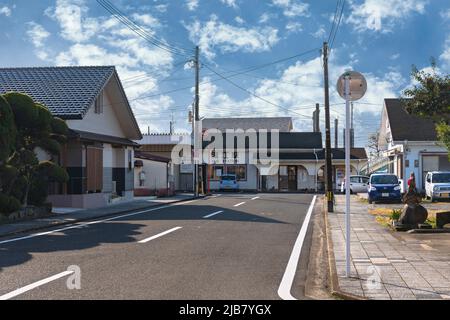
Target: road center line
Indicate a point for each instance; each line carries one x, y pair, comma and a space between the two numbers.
212, 214
284, 291
159, 235
79, 225
34, 285
239, 204
254, 198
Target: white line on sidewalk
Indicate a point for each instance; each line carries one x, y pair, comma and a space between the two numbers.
32, 286
80, 225
239, 204
212, 214
159, 235
284, 291
254, 198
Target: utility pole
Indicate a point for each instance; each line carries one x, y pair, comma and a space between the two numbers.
336, 133
317, 123
328, 168
196, 118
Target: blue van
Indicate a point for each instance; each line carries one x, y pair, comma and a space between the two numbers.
384, 186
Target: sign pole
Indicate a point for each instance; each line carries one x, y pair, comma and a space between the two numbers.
347, 173
358, 87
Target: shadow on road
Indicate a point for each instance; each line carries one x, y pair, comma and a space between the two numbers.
123, 230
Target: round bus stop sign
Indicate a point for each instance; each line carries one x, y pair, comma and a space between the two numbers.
358, 85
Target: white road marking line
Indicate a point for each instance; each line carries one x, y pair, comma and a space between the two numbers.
159, 235
79, 225
212, 214
254, 198
239, 204
32, 286
284, 291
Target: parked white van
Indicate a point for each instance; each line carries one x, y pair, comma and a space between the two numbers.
437, 185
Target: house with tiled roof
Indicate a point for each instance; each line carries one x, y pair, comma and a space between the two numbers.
408, 144
99, 154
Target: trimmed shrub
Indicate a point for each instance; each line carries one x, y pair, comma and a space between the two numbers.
8, 204
23, 108
7, 130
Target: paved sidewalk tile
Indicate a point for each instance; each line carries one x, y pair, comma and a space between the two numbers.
384, 266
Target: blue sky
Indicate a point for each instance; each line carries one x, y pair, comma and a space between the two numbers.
380, 38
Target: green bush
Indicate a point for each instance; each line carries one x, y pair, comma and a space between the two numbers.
7, 130
23, 107
395, 215
8, 204
59, 126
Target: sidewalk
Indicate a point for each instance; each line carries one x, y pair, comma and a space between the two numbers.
388, 265
87, 214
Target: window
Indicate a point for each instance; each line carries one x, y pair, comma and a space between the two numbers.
239, 170
354, 179
216, 172
99, 103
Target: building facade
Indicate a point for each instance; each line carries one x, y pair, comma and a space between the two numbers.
408, 145
99, 154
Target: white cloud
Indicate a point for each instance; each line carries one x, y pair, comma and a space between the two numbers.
294, 27
228, 38
239, 20
319, 33
192, 4
264, 17
445, 14
381, 15
146, 20
292, 8
230, 3
445, 56
6, 11
37, 34
70, 16
395, 56
298, 88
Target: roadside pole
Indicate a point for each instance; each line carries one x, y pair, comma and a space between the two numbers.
347, 175
196, 119
328, 162
351, 86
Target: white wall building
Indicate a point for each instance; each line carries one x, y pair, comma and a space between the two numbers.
409, 144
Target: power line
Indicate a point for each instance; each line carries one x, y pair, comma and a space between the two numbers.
140, 31
253, 94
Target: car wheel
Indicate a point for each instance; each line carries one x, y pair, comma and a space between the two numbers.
370, 201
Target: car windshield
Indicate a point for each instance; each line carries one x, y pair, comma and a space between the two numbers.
228, 178
384, 179
441, 178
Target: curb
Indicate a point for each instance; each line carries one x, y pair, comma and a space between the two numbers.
65, 223
335, 290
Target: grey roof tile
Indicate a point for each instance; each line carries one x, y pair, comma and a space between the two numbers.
67, 91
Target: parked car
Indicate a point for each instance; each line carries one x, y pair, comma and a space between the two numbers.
228, 182
384, 187
437, 185
358, 184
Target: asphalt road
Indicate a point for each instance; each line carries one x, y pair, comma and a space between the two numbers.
232, 246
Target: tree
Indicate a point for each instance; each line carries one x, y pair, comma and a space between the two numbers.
372, 144
430, 98
23, 176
